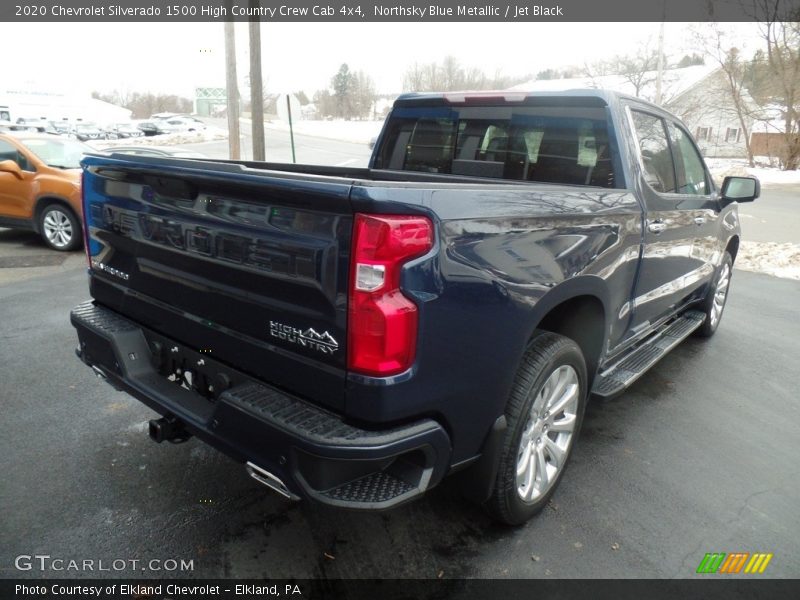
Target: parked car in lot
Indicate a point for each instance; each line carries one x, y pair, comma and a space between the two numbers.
40, 181
32, 124
153, 127
88, 131
164, 115
164, 151
124, 130
353, 335
60, 128
181, 124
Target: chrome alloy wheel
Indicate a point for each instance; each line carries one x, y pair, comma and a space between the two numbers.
57, 228
545, 441
720, 293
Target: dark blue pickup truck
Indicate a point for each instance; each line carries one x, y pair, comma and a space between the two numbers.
354, 335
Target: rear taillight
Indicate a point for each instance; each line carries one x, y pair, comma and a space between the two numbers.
382, 323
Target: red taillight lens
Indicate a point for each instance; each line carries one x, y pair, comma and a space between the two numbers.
382, 323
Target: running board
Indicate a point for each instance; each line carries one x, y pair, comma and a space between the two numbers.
624, 372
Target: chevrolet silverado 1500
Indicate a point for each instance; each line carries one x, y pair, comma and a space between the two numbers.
353, 335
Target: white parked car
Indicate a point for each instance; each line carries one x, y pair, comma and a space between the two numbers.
181, 124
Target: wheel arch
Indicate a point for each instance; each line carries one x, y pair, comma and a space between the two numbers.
578, 309
46, 200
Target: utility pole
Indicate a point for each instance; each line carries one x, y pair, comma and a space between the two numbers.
232, 92
256, 87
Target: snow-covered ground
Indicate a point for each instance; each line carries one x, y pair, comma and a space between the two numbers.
772, 258
767, 175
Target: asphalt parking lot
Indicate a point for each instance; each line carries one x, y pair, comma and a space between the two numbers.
701, 455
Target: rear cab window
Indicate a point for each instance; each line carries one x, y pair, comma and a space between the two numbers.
551, 144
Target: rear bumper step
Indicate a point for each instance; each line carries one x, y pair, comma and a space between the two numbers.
288, 444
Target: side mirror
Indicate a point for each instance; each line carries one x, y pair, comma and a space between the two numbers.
10, 166
740, 189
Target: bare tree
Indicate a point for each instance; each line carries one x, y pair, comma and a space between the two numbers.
713, 40
144, 104
638, 69
414, 78
325, 103
450, 75
783, 57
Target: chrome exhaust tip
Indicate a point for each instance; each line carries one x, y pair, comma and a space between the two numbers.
266, 478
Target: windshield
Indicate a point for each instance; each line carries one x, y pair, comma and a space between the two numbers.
64, 154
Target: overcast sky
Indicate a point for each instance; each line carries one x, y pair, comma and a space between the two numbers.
176, 58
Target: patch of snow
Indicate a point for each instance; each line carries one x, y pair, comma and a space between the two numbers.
209, 134
772, 258
767, 175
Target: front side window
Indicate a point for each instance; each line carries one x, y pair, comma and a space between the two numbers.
567, 145
9, 152
690, 171
659, 170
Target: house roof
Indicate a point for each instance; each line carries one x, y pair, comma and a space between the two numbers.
674, 82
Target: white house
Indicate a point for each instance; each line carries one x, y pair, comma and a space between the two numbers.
697, 94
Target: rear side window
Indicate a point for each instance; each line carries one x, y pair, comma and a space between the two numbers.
568, 145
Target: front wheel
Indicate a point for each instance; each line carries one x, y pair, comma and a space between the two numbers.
716, 298
544, 415
60, 228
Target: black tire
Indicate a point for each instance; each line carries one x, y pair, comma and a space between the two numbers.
722, 279
548, 356
60, 228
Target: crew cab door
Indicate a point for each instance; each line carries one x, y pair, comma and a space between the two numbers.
681, 218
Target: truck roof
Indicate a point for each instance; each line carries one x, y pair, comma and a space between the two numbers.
581, 95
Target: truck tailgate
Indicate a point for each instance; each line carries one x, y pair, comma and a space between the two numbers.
248, 266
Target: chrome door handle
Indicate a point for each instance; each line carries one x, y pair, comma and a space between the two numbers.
656, 226
699, 220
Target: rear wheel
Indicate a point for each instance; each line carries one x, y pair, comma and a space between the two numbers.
59, 227
544, 415
717, 297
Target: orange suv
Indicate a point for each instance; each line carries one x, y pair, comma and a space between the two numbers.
40, 186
